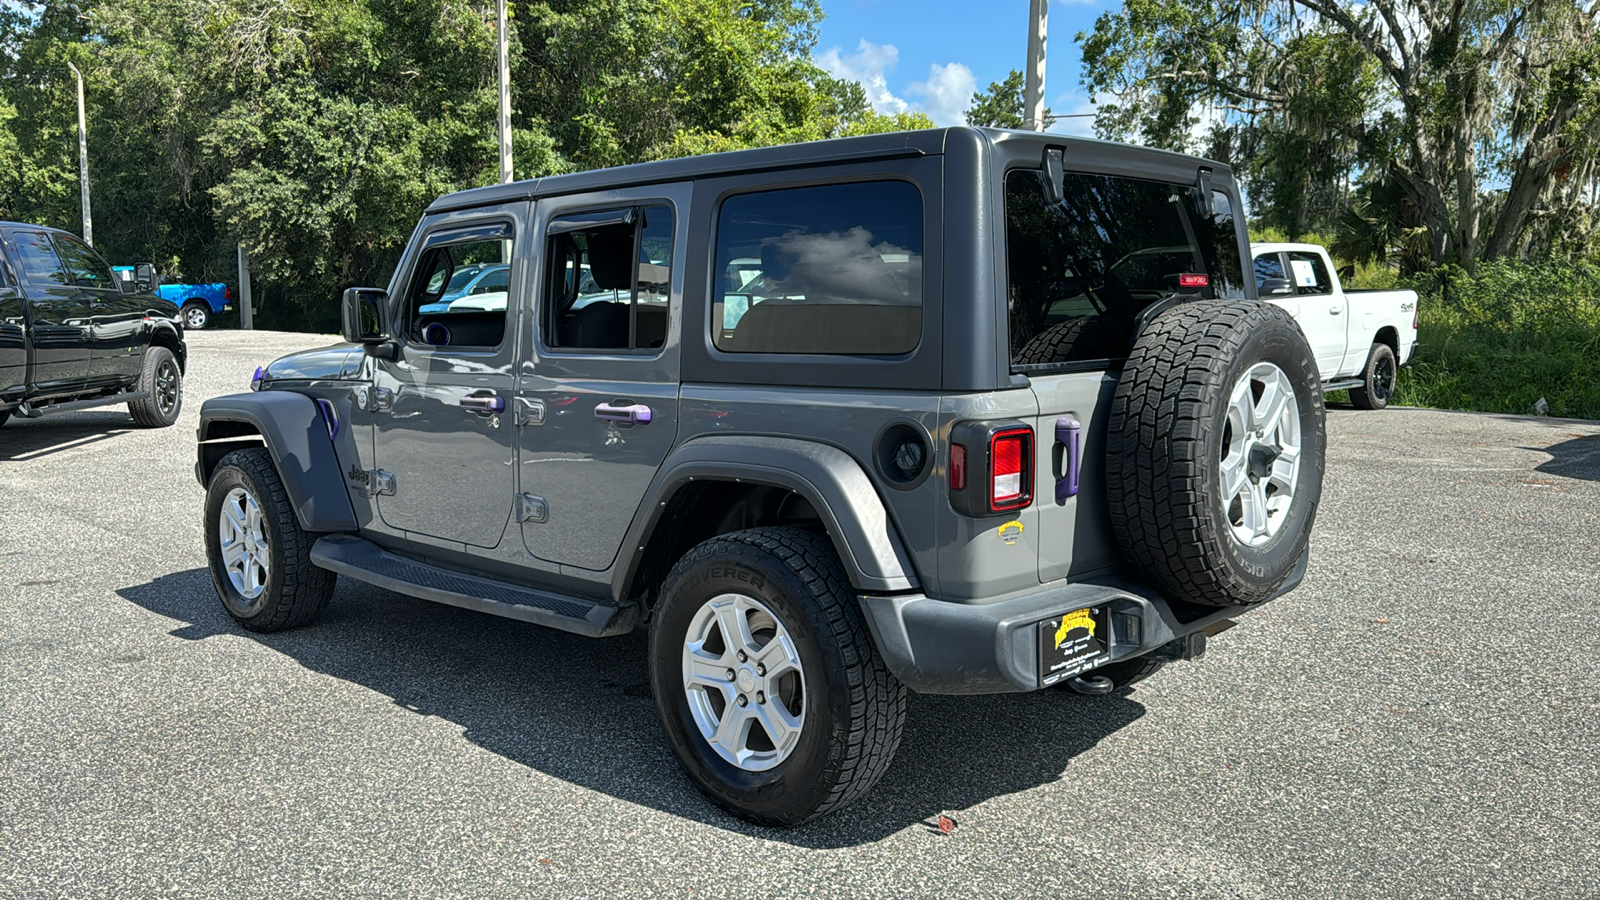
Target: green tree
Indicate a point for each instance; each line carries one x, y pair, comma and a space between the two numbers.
1001, 105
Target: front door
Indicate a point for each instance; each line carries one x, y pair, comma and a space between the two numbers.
13, 339
598, 391
58, 315
116, 320
443, 448
1322, 313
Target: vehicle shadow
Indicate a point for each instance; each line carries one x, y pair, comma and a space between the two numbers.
1576, 458
26, 439
580, 709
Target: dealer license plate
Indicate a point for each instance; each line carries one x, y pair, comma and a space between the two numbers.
1071, 644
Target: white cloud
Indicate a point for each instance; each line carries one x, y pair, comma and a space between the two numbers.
868, 66
946, 94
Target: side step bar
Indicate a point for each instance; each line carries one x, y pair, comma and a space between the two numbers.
365, 561
29, 412
1343, 385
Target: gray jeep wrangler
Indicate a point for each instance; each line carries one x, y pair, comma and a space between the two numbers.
956, 411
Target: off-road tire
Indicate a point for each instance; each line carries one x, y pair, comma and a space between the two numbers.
1164, 447
855, 710
1085, 337
197, 311
296, 590
1377, 379
154, 411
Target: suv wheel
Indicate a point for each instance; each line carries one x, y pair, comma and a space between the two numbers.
260, 558
1378, 379
196, 315
771, 692
163, 380
1214, 452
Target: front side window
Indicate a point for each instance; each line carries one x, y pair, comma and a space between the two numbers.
1309, 274
832, 269
1081, 271
608, 280
38, 259
460, 290
84, 266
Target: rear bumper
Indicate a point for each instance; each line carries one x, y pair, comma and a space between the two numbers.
940, 647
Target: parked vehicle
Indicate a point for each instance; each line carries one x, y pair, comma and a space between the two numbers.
999, 413
471, 281
1361, 338
199, 302
73, 336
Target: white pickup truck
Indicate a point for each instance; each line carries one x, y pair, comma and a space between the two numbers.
1361, 338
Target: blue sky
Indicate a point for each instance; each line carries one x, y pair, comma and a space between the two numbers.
930, 55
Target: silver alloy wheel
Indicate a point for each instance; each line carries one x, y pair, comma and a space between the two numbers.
1260, 454
243, 536
744, 682
195, 316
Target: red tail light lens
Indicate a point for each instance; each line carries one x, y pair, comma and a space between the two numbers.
227, 293
1011, 469
958, 467
1194, 280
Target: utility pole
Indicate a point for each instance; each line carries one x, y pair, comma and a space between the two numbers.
83, 160
1033, 99
246, 308
505, 97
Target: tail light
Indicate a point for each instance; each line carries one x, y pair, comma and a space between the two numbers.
227, 293
991, 467
1011, 469
1194, 281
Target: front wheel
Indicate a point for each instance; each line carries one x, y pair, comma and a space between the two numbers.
770, 690
196, 315
260, 557
1377, 379
162, 380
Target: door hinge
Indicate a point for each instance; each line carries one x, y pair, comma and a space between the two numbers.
532, 509
529, 411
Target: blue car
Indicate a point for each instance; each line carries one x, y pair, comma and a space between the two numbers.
468, 280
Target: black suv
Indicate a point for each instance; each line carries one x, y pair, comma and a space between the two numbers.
74, 336
956, 411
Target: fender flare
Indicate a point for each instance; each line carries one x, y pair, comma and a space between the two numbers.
297, 437
831, 480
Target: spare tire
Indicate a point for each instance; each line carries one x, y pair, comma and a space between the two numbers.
1214, 451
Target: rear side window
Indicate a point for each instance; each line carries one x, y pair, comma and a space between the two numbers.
608, 280
1309, 275
38, 259
834, 269
1081, 271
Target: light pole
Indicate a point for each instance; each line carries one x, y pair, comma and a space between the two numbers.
1033, 99
83, 160
505, 97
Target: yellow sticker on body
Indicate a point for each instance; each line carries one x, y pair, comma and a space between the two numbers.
1010, 531
1079, 619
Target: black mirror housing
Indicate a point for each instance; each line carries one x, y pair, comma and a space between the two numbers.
364, 315
1275, 287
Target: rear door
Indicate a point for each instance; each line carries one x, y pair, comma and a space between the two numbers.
598, 389
56, 313
117, 326
13, 338
445, 442
1078, 275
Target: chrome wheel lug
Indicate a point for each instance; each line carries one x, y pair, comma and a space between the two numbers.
761, 696
742, 657
761, 670
743, 700
730, 675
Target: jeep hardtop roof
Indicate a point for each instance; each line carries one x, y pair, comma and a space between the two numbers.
1080, 151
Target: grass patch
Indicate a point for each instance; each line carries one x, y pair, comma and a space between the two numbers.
1500, 340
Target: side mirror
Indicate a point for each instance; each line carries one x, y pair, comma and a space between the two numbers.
1275, 287
364, 315
145, 277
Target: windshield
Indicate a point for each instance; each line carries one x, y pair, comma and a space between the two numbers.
1081, 271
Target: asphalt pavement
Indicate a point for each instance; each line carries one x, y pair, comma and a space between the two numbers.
1420, 719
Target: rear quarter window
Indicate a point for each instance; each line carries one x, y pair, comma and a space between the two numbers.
830, 269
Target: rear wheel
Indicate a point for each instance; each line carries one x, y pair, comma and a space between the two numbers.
770, 690
1378, 379
196, 315
163, 381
